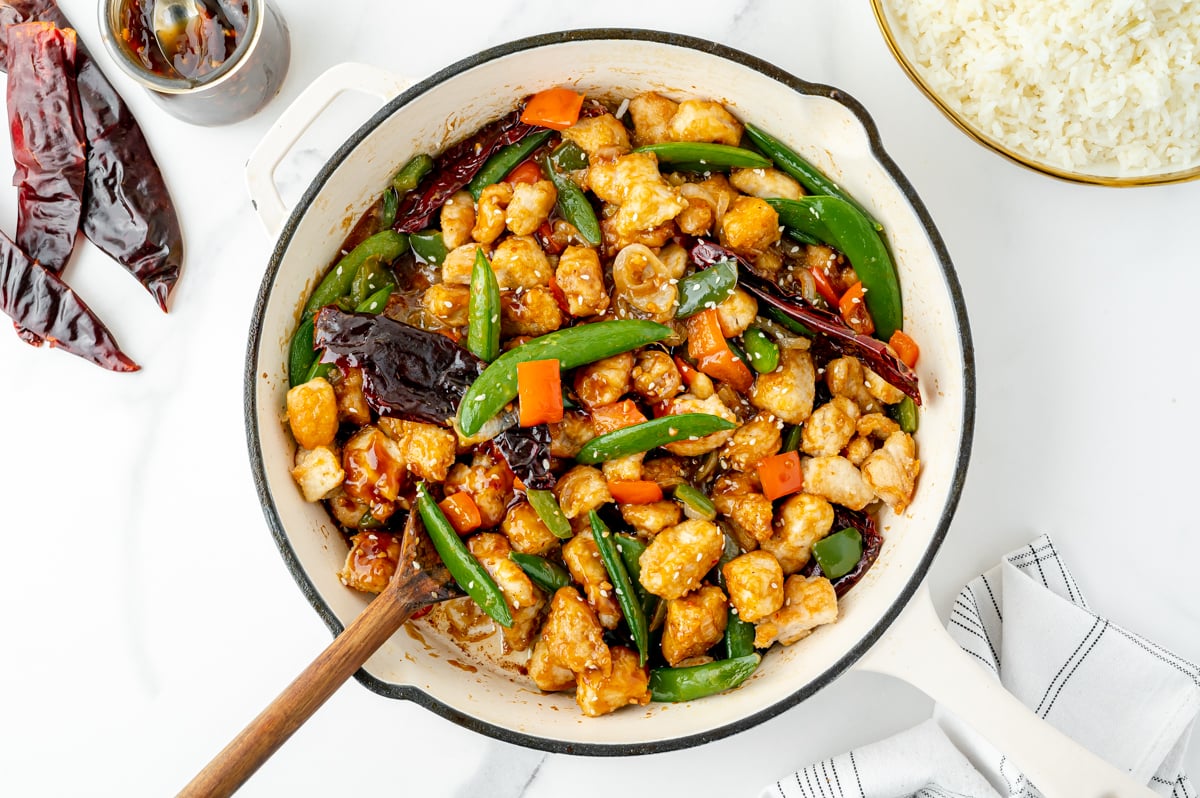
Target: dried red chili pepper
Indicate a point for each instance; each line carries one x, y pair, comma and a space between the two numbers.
408, 372
454, 169
38, 300
47, 135
128, 212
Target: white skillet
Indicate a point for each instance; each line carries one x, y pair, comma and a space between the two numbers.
887, 622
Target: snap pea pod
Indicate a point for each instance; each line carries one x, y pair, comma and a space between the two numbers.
739, 634
573, 204
483, 310
467, 571
411, 173
840, 224
572, 347
387, 214
384, 246
707, 157
761, 351
650, 435
569, 157
706, 288
505, 160
547, 509
695, 503
631, 550
808, 175
428, 246
687, 684
547, 575
837, 554
906, 416
301, 354
631, 608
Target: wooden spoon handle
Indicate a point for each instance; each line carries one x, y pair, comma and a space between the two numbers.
274, 725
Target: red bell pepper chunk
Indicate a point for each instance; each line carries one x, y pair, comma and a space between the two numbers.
557, 109
462, 512
780, 475
905, 347
707, 347
635, 491
616, 416
539, 390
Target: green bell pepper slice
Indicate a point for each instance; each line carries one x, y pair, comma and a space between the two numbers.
837, 554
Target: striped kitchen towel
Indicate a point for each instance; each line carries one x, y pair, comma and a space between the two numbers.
1129, 701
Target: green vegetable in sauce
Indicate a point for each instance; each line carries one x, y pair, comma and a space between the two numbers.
371, 276
377, 301
411, 173
549, 576
703, 157
572, 347
483, 310
688, 684
837, 554
547, 509
467, 571
791, 438
631, 608
838, 223
695, 503
631, 550
301, 354
505, 160
391, 203
650, 435
569, 157
906, 415
706, 288
761, 351
383, 247
428, 246
809, 176
573, 204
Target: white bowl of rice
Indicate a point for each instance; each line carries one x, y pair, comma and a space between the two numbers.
1095, 92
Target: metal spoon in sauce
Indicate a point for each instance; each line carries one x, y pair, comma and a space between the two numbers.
170, 19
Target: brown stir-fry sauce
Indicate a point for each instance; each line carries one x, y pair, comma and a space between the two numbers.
807, 441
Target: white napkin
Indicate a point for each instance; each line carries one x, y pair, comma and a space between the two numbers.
1126, 699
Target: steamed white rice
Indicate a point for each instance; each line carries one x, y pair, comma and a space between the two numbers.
1085, 85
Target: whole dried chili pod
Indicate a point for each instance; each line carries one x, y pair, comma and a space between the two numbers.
47, 135
127, 212
454, 169
38, 300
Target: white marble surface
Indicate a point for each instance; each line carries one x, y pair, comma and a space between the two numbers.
147, 612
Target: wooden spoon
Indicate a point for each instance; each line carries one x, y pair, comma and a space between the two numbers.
420, 580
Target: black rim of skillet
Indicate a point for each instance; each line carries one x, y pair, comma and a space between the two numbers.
415, 694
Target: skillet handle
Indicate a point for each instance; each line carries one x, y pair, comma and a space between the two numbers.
297, 118
919, 650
